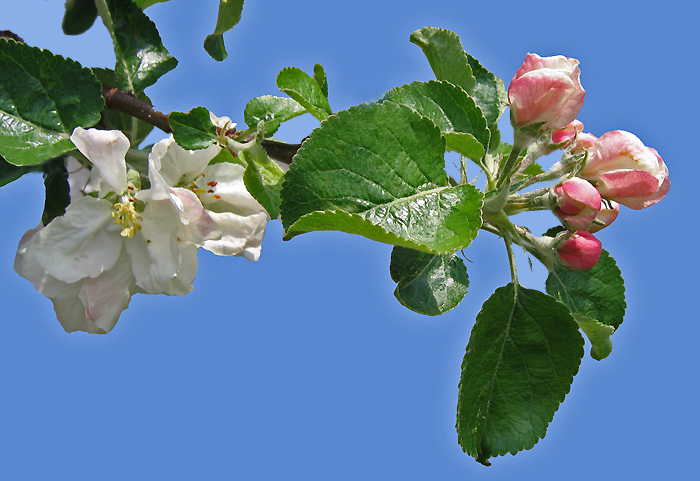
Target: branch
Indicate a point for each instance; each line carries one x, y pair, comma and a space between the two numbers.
127, 103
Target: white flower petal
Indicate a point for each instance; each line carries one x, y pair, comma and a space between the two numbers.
242, 235
78, 178
106, 150
81, 243
231, 192
182, 166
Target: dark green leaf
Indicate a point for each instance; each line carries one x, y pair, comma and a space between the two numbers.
141, 57
136, 130
10, 173
522, 356
79, 16
57, 190
448, 106
379, 171
597, 293
598, 334
43, 97
320, 78
271, 110
446, 56
429, 284
229, 15
193, 130
305, 90
147, 3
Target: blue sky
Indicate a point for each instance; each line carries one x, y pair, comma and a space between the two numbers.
303, 365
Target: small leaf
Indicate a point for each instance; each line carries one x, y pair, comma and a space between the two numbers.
598, 334
193, 130
305, 90
533, 169
271, 110
10, 173
379, 171
320, 78
465, 144
79, 16
43, 97
446, 56
427, 283
141, 57
147, 3
448, 106
522, 356
263, 178
230, 12
597, 293
57, 190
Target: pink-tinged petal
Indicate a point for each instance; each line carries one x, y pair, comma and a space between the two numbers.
580, 251
567, 133
242, 235
106, 150
608, 213
197, 222
631, 188
84, 242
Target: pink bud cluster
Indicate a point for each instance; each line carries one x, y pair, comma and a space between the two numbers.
617, 168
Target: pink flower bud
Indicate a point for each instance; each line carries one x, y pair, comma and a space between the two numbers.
609, 211
567, 134
585, 142
547, 90
580, 251
625, 170
577, 203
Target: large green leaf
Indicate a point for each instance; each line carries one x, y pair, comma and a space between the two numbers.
79, 16
448, 106
305, 90
446, 56
43, 97
429, 284
597, 293
271, 110
10, 173
141, 57
193, 130
489, 93
522, 356
229, 15
378, 171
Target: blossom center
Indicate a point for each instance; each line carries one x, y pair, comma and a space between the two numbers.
125, 215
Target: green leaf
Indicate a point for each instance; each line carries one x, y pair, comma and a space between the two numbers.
10, 173
147, 3
465, 144
598, 334
378, 171
57, 190
229, 15
522, 356
597, 293
79, 16
141, 57
193, 130
305, 90
448, 106
271, 110
43, 97
427, 283
489, 93
136, 130
263, 178
320, 78
446, 56
533, 169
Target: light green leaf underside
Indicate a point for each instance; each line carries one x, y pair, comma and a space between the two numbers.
305, 90
427, 283
43, 97
523, 353
598, 334
378, 171
271, 110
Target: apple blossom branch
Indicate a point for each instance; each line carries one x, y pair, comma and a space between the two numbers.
127, 103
